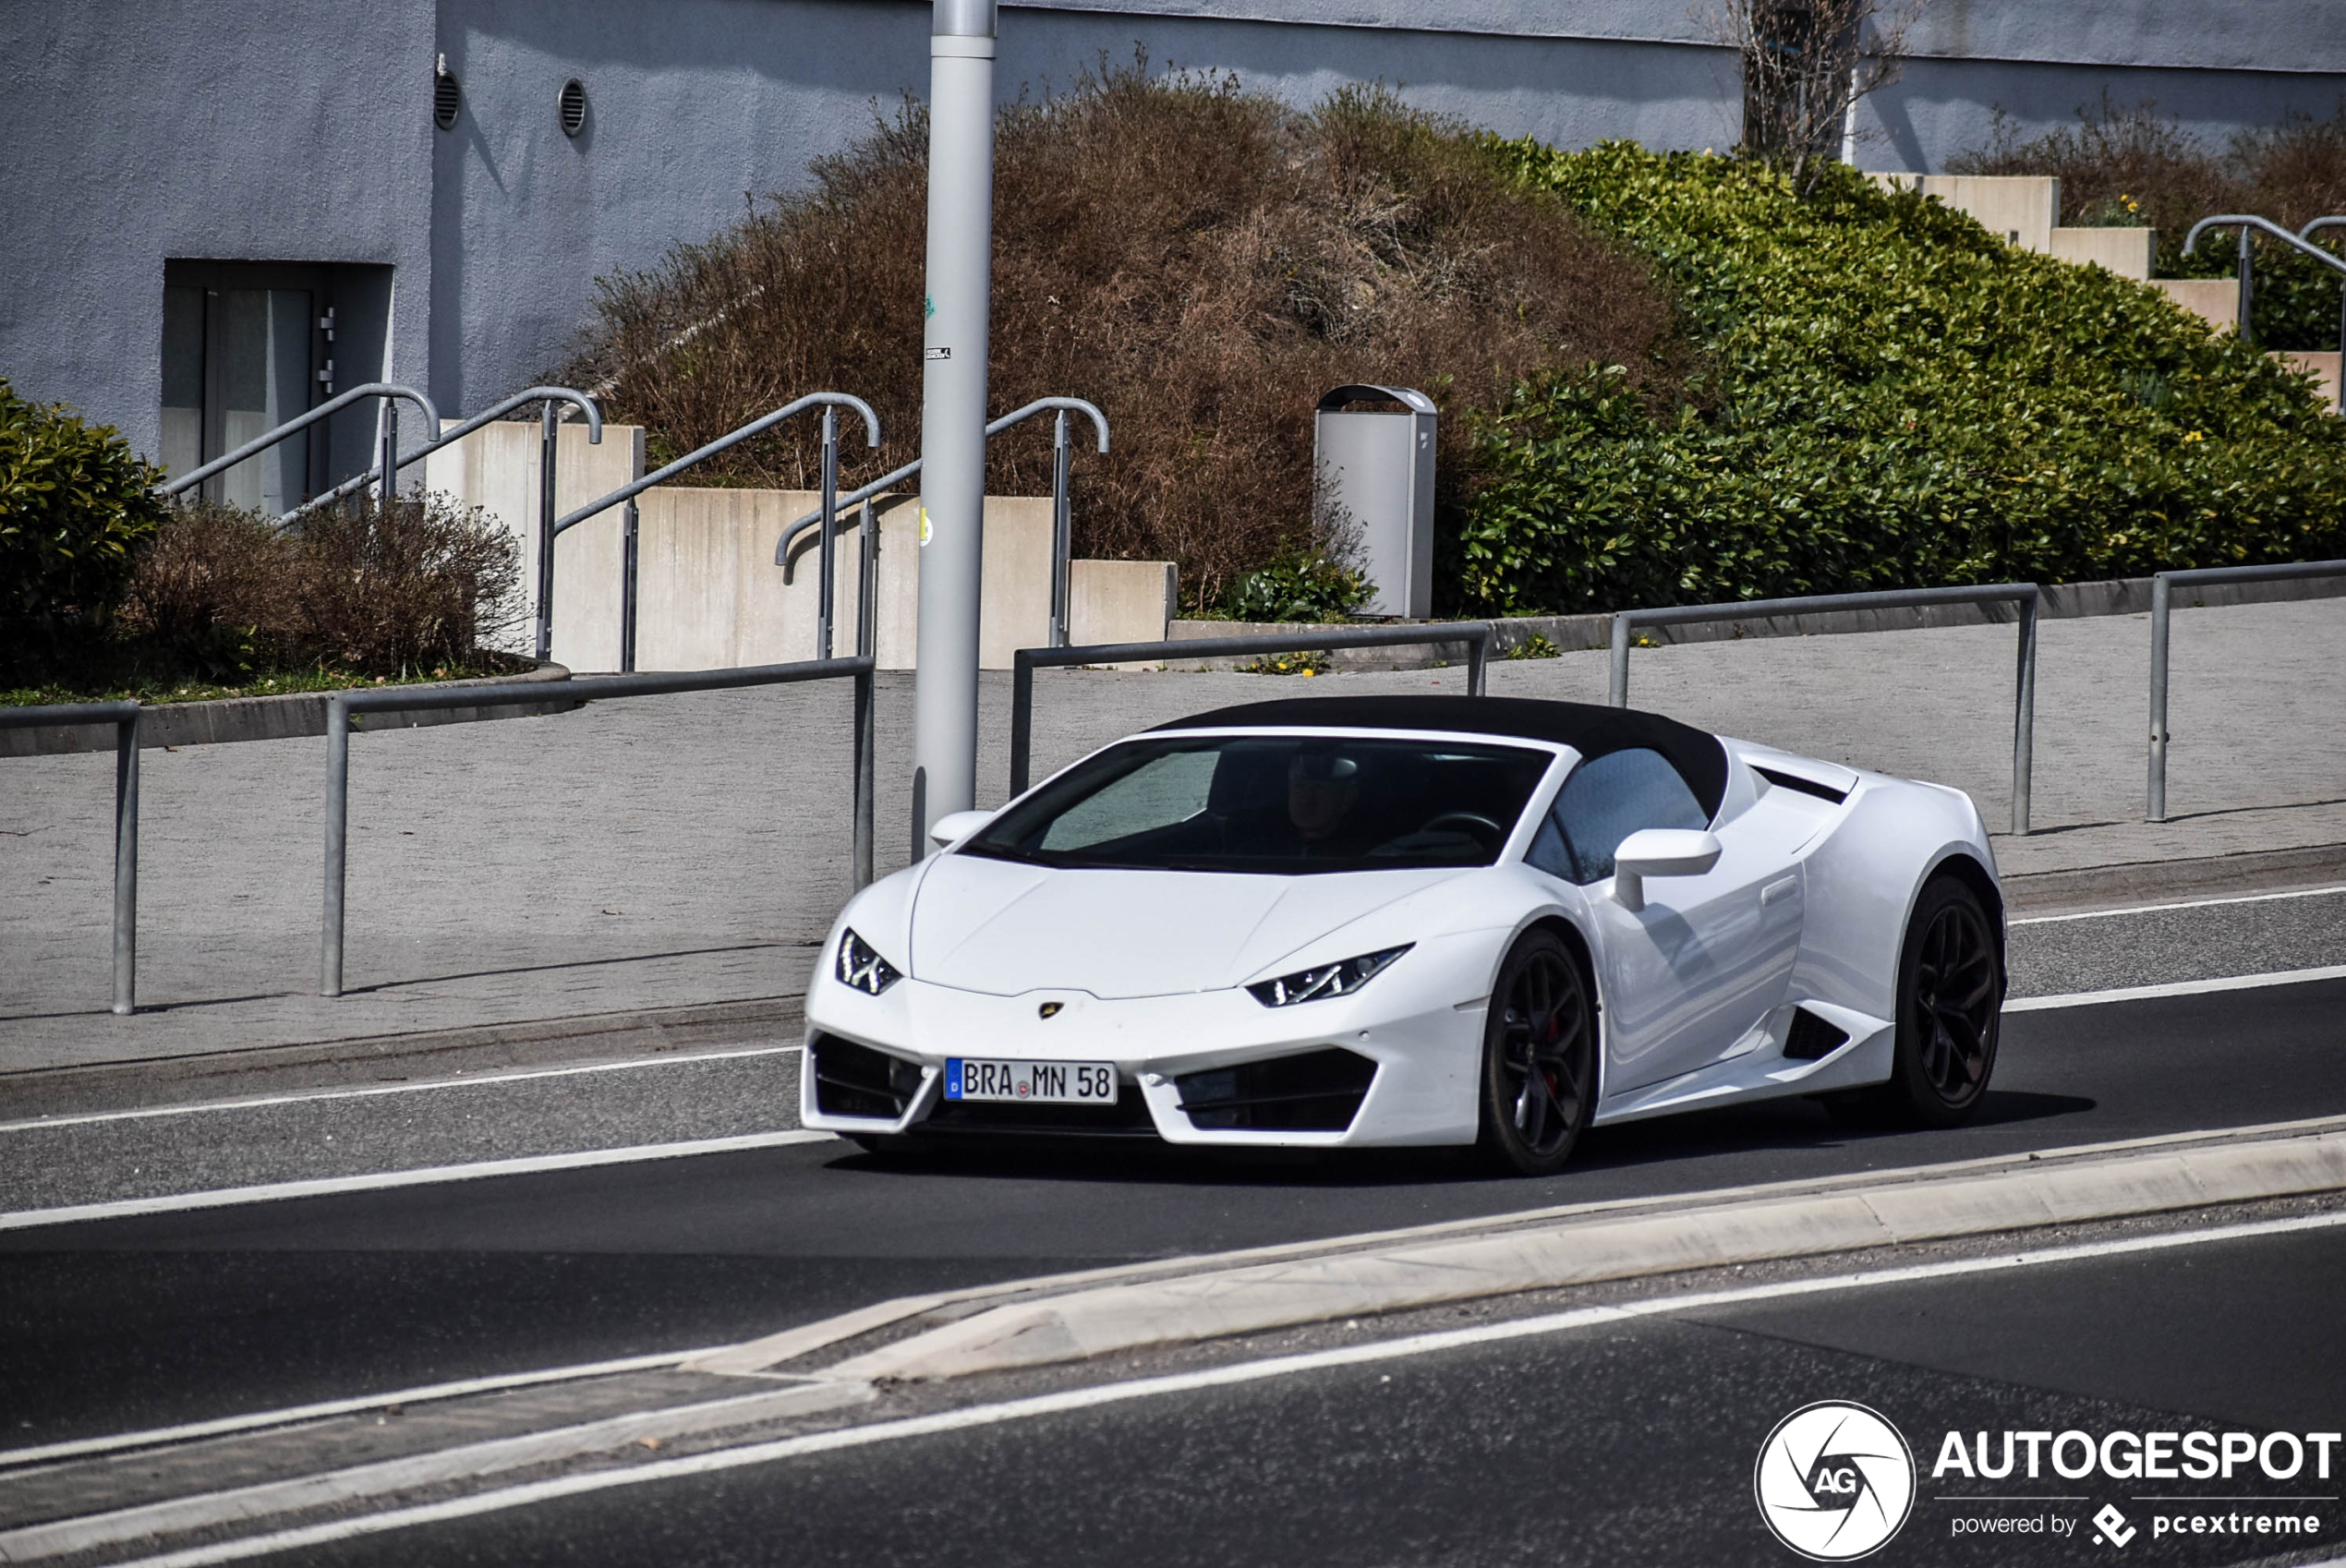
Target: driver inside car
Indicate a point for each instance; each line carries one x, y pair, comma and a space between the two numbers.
1320, 791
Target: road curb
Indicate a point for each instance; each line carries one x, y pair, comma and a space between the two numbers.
2102, 886
1918, 1207
139, 1082
366, 1482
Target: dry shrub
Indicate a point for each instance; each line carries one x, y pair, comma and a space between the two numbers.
1199, 260
375, 590
2291, 173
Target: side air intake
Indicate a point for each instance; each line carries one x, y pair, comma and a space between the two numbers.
1811, 1037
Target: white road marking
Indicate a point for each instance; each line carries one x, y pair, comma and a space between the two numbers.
2188, 904
2177, 988
478, 1170
294, 1414
518, 1075
1182, 1382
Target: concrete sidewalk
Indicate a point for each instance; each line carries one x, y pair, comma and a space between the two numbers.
678, 852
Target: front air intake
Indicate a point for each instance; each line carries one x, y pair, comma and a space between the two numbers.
1316, 1091
855, 1080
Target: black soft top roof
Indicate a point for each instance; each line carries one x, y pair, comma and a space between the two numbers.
1587, 728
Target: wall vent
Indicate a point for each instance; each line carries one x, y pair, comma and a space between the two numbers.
574, 107
446, 96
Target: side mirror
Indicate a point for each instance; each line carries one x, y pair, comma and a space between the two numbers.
955, 825
1659, 851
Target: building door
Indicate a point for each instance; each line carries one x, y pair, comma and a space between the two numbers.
245, 347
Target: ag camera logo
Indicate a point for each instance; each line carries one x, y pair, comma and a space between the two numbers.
1834, 1481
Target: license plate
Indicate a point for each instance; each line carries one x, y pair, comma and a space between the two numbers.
1046, 1083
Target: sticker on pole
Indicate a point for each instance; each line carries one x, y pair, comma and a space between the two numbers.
924, 527
937, 353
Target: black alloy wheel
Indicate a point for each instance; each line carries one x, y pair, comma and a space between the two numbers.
1539, 1057
1951, 997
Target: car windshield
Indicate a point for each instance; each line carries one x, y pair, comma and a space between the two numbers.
1280, 804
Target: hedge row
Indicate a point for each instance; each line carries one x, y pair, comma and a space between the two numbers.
1889, 397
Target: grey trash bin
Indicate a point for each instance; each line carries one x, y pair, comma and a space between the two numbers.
1376, 468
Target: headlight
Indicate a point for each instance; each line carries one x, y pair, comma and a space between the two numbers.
1328, 980
863, 969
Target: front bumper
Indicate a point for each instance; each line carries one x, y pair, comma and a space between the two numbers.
1418, 1026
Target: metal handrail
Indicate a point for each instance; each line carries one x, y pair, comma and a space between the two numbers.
388, 468
2250, 223
830, 401
1476, 634
2162, 586
124, 717
2024, 595
2335, 220
450, 437
341, 704
896, 477
2266, 225
1061, 478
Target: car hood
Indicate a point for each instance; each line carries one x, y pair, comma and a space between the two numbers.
1006, 928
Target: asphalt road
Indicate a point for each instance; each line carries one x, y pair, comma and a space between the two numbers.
143, 1322
1626, 1442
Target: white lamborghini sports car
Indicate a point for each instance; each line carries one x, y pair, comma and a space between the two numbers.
1415, 920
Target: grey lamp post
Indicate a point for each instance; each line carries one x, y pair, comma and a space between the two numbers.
960, 249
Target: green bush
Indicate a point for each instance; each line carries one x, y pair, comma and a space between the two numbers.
1889, 397
1297, 587
75, 502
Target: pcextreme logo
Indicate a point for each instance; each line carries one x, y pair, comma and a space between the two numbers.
1834, 1481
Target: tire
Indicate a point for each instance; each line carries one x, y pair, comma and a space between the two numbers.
1951, 994
1538, 1078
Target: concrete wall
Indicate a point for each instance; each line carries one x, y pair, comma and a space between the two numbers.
2127, 252
710, 595
267, 130
2215, 300
496, 468
295, 130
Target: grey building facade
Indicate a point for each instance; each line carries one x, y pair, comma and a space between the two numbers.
215, 209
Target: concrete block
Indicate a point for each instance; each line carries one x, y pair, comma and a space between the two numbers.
1120, 601
495, 468
2021, 208
2214, 300
710, 595
2126, 252
2322, 366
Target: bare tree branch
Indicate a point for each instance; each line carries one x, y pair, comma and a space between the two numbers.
1806, 64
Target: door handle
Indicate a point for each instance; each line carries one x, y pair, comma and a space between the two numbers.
1780, 888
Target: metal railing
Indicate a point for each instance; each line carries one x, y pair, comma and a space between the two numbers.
1061, 480
2022, 594
2162, 589
387, 460
450, 437
580, 689
829, 401
124, 717
2250, 223
1475, 634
